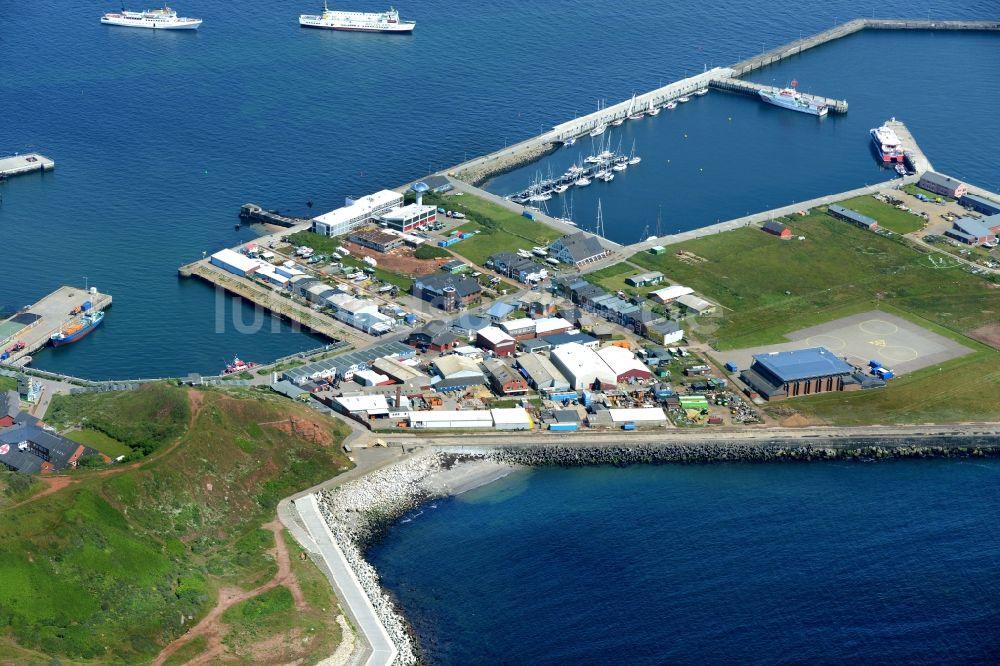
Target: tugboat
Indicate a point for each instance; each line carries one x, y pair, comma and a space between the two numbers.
238, 366
77, 330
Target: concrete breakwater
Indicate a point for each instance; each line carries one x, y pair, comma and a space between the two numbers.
479, 171
358, 512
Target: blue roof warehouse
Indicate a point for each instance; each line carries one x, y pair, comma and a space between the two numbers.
788, 374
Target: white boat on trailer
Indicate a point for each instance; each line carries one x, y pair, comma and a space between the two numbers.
387, 21
164, 18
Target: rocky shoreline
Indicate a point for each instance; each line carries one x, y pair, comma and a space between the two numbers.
360, 511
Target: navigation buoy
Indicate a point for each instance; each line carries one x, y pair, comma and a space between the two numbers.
685, 136
730, 119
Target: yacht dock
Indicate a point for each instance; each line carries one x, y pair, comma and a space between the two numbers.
34, 325
16, 165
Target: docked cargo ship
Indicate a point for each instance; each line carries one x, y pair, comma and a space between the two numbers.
789, 98
388, 21
887, 144
77, 330
157, 19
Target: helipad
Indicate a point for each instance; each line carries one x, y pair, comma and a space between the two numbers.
892, 341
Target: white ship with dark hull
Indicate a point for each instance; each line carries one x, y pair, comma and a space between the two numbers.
789, 98
155, 19
388, 21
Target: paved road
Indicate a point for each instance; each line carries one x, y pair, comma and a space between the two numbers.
349, 589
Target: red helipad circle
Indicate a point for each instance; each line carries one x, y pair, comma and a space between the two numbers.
4, 449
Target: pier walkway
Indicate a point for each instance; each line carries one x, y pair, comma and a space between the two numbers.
28, 163
843, 30
38, 322
752, 89
764, 216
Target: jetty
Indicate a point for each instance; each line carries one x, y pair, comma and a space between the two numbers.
753, 89
849, 28
16, 165
274, 302
29, 330
251, 212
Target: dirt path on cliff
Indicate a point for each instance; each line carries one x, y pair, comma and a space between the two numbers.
212, 627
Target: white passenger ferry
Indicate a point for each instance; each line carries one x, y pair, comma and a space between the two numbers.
358, 21
157, 19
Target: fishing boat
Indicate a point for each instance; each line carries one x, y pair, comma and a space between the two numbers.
671, 105
77, 330
620, 166
617, 122
570, 141
606, 176
598, 131
238, 365
652, 109
560, 188
582, 181
387, 21
701, 91
157, 19
683, 99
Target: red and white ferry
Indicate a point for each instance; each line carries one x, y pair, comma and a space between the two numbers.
888, 145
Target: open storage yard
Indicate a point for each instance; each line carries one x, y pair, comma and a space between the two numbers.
497, 229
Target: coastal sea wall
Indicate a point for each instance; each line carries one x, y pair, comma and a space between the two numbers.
479, 171
358, 512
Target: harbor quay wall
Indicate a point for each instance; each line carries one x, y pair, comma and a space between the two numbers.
358, 511
850, 27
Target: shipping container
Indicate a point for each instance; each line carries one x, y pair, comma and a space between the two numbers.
87, 305
628, 426
565, 395
732, 367
874, 364
528, 214
564, 427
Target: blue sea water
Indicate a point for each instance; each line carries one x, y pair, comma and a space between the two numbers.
732, 563
160, 137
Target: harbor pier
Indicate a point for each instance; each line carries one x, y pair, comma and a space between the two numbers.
16, 165
752, 89
275, 303
33, 326
849, 28
252, 213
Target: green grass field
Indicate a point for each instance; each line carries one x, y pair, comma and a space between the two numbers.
431, 252
106, 569
318, 242
96, 439
141, 420
914, 189
612, 279
770, 288
888, 217
498, 229
7, 383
